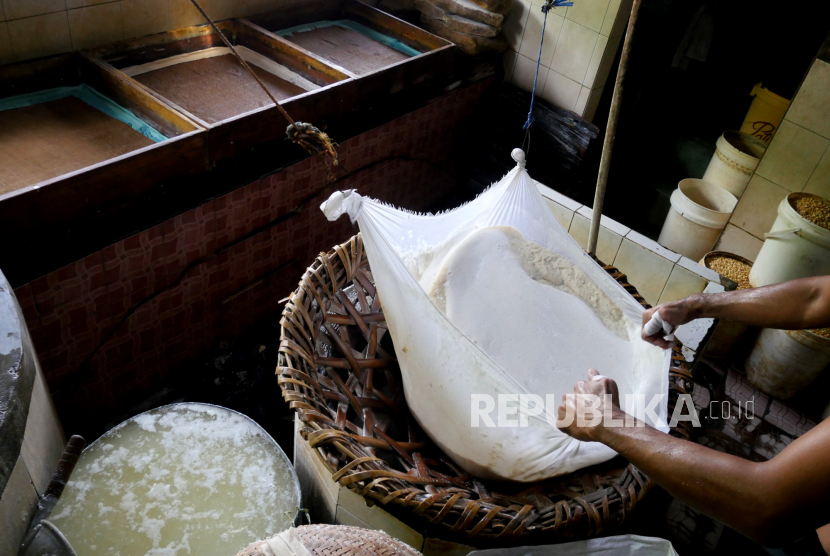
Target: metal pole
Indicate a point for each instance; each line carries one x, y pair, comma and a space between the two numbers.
611, 132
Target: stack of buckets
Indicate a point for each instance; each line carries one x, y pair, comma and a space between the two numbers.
784, 362
701, 208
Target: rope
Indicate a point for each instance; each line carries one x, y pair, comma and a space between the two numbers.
307, 136
545, 9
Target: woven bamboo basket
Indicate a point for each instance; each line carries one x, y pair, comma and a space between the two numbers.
337, 369
342, 540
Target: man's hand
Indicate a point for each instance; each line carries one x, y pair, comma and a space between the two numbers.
675, 313
596, 385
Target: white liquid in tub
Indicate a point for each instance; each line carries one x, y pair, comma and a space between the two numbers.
180, 479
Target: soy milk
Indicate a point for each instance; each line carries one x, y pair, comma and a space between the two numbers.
181, 479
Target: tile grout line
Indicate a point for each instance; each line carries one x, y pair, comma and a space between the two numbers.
593, 49
812, 173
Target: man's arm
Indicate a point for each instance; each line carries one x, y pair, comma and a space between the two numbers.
770, 502
794, 305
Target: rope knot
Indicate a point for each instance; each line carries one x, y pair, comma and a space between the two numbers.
311, 139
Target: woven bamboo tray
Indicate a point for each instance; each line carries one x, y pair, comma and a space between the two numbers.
337, 369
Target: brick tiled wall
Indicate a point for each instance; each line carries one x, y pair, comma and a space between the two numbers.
209, 290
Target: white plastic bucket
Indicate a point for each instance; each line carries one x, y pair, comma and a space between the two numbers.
784, 362
794, 248
735, 159
699, 211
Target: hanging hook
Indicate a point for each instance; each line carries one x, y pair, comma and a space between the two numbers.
550, 4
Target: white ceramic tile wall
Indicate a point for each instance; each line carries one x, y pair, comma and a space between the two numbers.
616, 18
797, 159
377, 518
95, 25
758, 207
580, 44
735, 240
819, 182
43, 444
594, 96
533, 32
436, 547
650, 267
647, 271
35, 28
608, 242
680, 283
319, 492
43, 438
17, 505
792, 156
573, 51
589, 13
560, 90
810, 108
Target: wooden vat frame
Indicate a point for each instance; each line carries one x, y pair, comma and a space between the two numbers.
435, 60
340, 92
130, 192
109, 183
229, 136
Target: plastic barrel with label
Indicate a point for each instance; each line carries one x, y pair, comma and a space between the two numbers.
765, 113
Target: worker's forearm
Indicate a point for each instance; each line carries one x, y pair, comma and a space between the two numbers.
725, 487
792, 305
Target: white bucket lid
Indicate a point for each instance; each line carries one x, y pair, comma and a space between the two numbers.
703, 203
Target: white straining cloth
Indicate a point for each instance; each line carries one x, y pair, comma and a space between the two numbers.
443, 368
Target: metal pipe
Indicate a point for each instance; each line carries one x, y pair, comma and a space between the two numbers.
611, 132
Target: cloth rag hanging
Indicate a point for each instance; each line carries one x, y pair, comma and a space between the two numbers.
697, 40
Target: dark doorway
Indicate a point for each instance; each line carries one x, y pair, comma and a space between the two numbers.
671, 117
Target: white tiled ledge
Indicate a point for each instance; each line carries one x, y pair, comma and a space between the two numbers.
659, 274
43, 443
